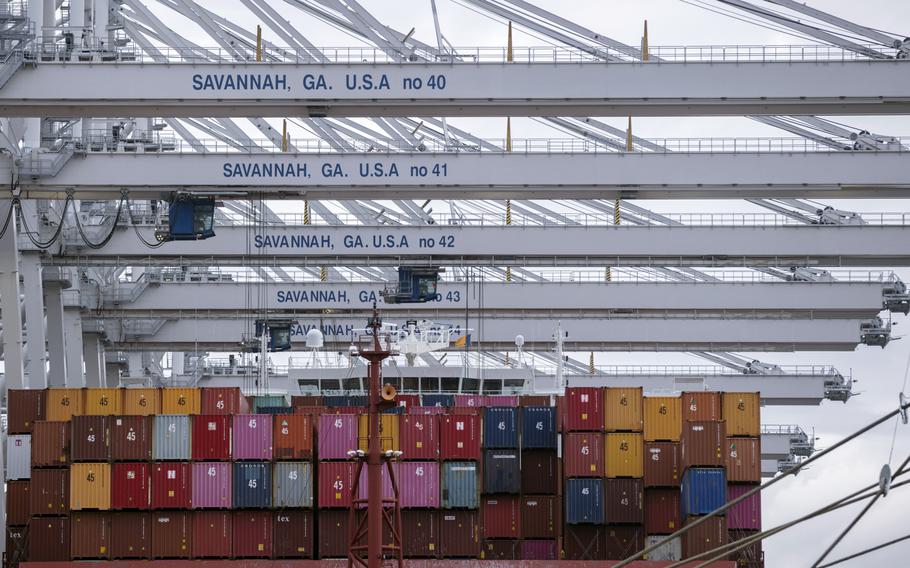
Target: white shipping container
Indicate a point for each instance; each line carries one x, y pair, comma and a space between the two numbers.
669, 551
19, 456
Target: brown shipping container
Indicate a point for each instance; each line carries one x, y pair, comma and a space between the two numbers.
223, 400
131, 535
16, 546
103, 401
702, 444
419, 533
501, 516
49, 539
540, 516
742, 413
90, 535
661, 464
663, 418
584, 542
90, 486
583, 454
131, 438
333, 533
141, 401
534, 400
90, 438
292, 438
459, 533
623, 451
539, 472
506, 549
661, 511
252, 536
50, 444
622, 409
26, 406
307, 401
18, 503
172, 534
704, 537
624, 501
294, 534
63, 404
743, 460
50, 492
212, 534
622, 542
701, 405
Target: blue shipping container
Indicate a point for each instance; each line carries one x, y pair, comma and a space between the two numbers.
501, 472
703, 490
437, 400
538, 427
584, 501
459, 485
500, 427
252, 485
274, 410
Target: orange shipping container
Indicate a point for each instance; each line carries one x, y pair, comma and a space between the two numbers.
663, 420
293, 437
90, 486
622, 409
180, 400
702, 405
388, 428
141, 402
63, 404
103, 402
742, 411
623, 453
743, 460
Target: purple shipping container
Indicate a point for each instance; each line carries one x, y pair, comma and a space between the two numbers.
500, 400
745, 515
538, 550
418, 484
469, 400
212, 485
252, 437
387, 492
337, 436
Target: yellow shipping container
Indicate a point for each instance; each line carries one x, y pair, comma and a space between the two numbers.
141, 402
103, 402
180, 400
389, 436
624, 454
622, 409
663, 418
742, 412
90, 486
63, 404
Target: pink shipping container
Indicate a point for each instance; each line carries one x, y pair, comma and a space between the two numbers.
469, 400
337, 435
539, 550
252, 437
435, 410
746, 514
387, 492
336, 480
418, 484
212, 485
500, 400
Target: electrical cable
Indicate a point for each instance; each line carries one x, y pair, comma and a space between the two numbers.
129, 210
9, 215
110, 235
45, 244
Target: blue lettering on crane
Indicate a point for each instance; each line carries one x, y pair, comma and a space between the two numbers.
264, 170
293, 241
312, 296
328, 329
240, 82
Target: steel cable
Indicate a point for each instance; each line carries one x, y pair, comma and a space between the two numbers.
110, 234
45, 244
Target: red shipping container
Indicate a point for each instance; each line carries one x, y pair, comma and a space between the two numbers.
540, 516
223, 400
701, 405
419, 437
336, 481
18, 503
172, 534
430, 410
407, 401
90, 438
500, 400
662, 467
171, 485
307, 401
131, 438
460, 437
90, 535
539, 550
662, 511
420, 533
211, 437
539, 472
293, 534
131, 535
501, 516
26, 406
702, 444
459, 534
212, 534
584, 542
292, 438
333, 533
500, 550
50, 444
622, 542
130, 486
535, 400
49, 539
583, 454
584, 409
623, 501
50, 492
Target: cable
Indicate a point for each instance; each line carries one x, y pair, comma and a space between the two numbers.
110, 235
866, 551
129, 210
45, 244
9, 215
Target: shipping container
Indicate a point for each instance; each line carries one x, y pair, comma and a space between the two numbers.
336, 481
702, 444
337, 436
252, 534
91, 438
459, 534
539, 472
49, 539
662, 418
583, 454
103, 402
141, 401
63, 403
388, 432
584, 501
131, 535
701, 406
623, 409
535, 400
172, 485
445, 400
501, 400
407, 401
294, 532
308, 400
211, 437
623, 452
584, 542
420, 533
460, 437
419, 437
751, 556
704, 537
131, 438
418, 484
538, 427
669, 551
500, 549
292, 485
501, 472
18, 502
16, 545
26, 406
130, 485
743, 460
252, 485
703, 490
539, 550
90, 535
180, 400
223, 400
292, 437
212, 533
540, 516
50, 492
172, 534
741, 412
459, 485
427, 410
623, 541
171, 437
260, 401
469, 400
252, 437
90, 486
661, 464
584, 409
19, 456
745, 515
501, 516
212, 485
333, 533
50, 444
351, 402
624, 501
662, 511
